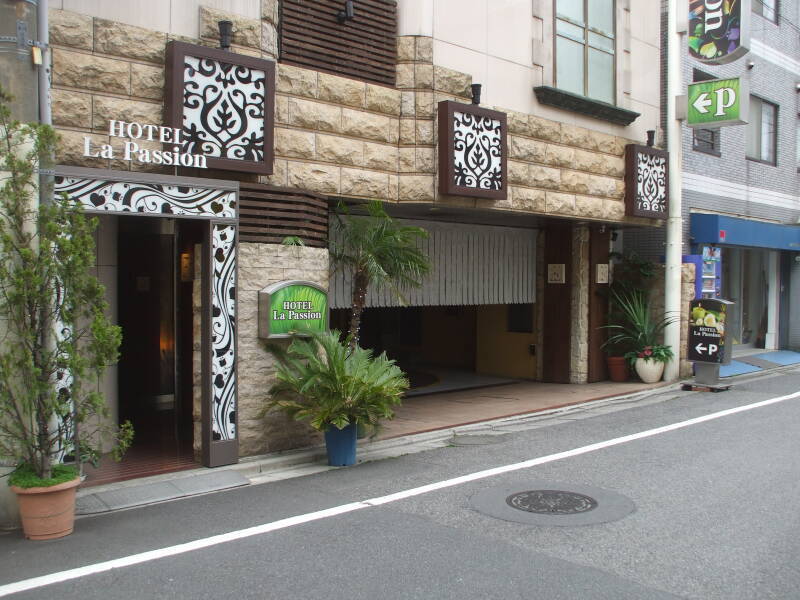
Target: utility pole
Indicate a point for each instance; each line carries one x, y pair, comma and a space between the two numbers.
672, 284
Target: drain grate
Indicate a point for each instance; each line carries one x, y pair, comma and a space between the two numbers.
551, 502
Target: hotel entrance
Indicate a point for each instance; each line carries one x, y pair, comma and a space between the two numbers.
166, 254
154, 291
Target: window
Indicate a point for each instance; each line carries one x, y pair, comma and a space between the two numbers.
797, 135
767, 9
762, 130
585, 48
520, 318
705, 140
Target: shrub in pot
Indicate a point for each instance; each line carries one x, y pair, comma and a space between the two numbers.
335, 388
56, 337
642, 332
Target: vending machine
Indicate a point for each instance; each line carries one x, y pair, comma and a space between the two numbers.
711, 272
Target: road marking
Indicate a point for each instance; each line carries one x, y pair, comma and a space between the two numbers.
135, 559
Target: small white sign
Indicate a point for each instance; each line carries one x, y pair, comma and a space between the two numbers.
602, 273
556, 274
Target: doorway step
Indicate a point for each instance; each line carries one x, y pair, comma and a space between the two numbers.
753, 363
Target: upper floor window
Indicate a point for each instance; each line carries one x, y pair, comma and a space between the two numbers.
767, 9
585, 48
762, 130
705, 140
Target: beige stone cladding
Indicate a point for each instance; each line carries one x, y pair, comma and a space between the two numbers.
260, 265
106, 70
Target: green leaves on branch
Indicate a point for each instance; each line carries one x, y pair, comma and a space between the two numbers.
56, 338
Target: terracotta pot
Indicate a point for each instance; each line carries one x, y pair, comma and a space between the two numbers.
648, 370
617, 368
47, 512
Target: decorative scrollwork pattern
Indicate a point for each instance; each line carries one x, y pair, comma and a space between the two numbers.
120, 196
477, 159
651, 182
223, 332
223, 110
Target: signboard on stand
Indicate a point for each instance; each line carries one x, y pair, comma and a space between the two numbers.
292, 307
707, 337
719, 30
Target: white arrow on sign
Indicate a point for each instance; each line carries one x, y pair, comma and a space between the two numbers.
700, 348
712, 349
703, 100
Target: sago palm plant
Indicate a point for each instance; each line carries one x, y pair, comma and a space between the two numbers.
329, 384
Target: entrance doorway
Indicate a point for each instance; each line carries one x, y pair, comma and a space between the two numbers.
155, 287
745, 281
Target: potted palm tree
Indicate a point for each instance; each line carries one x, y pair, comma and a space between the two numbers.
640, 331
56, 337
335, 387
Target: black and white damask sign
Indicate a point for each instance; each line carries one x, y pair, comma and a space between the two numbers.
223, 332
646, 181
122, 196
651, 183
478, 151
223, 109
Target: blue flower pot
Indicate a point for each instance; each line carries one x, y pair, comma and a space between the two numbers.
341, 445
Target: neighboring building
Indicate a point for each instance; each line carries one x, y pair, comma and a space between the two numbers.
741, 188
519, 243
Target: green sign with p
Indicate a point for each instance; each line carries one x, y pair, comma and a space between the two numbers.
717, 103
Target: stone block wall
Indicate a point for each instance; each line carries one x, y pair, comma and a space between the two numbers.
105, 70
333, 135
261, 265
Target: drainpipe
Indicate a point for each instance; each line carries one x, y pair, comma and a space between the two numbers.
672, 283
42, 26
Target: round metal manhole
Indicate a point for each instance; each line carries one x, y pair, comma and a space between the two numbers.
551, 502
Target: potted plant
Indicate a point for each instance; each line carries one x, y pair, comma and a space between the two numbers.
335, 387
642, 332
632, 274
56, 337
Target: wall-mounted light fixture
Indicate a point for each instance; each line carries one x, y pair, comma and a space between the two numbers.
651, 137
225, 34
348, 14
476, 93
750, 64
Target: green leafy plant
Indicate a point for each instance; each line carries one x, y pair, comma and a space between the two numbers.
638, 330
55, 339
324, 381
379, 252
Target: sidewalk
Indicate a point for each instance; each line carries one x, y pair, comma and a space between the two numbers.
421, 423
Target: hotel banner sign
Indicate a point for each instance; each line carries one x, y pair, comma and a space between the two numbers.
719, 30
135, 149
292, 308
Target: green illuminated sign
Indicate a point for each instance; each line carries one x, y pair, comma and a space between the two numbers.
292, 307
717, 103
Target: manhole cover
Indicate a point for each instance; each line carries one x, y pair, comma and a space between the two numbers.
551, 502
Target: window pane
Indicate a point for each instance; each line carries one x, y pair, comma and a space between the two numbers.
601, 41
569, 65
601, 76
601, 15
768, 122
571, 9
571, 31
754, 129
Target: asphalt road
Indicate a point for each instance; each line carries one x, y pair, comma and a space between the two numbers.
714, 515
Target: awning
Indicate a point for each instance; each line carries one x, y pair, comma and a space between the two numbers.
720, 229
472, 265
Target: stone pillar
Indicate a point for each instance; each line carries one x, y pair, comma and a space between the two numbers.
579, 339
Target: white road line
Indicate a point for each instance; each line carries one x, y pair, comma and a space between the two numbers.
135, 559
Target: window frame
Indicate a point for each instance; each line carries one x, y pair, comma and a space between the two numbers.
586, 46
759, 159
714, 132
758, 8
